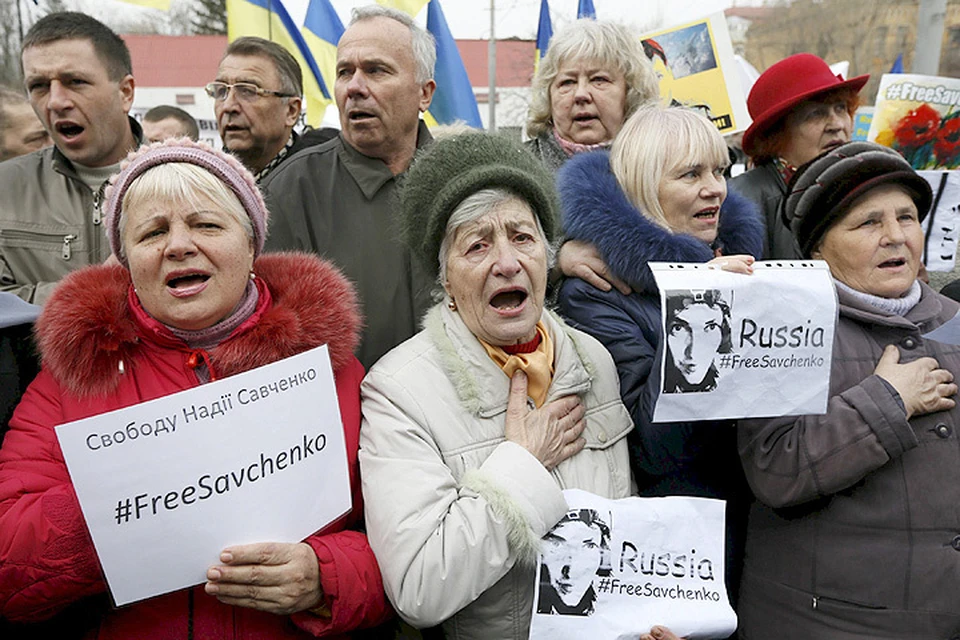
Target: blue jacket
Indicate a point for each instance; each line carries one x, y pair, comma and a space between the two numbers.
671, 458
677, 458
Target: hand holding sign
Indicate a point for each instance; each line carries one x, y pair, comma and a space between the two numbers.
735, 264
552, 432
280, 578
923, 386
660, 633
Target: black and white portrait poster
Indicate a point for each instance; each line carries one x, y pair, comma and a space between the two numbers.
613, 569
743, 346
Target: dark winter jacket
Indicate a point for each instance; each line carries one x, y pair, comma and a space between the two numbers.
855, 534
765, 186
102, 352
692, 458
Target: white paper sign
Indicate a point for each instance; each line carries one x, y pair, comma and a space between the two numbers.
942, 226
613, 569
737, 346
165, 485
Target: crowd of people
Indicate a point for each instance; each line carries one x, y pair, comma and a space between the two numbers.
494, 330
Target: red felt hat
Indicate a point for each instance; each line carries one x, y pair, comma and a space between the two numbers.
785, 85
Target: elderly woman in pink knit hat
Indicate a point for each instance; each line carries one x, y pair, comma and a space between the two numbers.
190, 301
800, 109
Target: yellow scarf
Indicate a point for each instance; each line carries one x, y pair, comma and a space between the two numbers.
538, 365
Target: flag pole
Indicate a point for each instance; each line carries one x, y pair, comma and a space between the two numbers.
492, 72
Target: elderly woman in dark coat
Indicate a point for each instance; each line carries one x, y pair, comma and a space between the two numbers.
659, 195
855, 535
800, 109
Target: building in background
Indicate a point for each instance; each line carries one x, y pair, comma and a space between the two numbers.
188, 63
869, 35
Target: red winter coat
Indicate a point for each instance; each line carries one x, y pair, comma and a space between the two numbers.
102, 352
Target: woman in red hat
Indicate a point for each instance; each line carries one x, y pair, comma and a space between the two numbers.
800, 109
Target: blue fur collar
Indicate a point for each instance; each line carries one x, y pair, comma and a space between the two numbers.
596, 210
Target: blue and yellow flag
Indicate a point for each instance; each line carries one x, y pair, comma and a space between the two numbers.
544, 33
585, 10
270, 20
453, 100
322, 30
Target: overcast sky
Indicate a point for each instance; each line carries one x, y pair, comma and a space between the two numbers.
514, 18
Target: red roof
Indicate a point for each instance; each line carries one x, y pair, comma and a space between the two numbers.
191, 61
175, 61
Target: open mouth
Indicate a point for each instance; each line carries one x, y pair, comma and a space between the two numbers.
187, 281
707, 214
584, 118
893, 263
508, 299
68, 130
360, 116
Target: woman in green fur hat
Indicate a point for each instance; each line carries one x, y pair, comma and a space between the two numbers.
474, 426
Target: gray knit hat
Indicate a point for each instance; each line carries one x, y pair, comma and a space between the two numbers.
224, 166
452, 169
823, 189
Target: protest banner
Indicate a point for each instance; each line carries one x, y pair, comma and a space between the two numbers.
861, 123
919, 116
166, 485
740, 346
697, 69
615, 568
941, 227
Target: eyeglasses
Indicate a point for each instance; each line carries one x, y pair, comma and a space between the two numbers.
245, 91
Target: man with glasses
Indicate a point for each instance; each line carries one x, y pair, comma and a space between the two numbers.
78, 78
258, 99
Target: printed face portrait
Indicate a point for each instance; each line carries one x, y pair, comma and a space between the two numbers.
571, 554
698, 328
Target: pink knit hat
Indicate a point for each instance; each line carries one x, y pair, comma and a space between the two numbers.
225, 167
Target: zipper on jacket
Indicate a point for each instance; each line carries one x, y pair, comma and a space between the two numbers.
66, 251
98, 202
815, 602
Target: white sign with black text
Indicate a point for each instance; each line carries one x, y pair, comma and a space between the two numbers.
613, 569
167, 484
742, 346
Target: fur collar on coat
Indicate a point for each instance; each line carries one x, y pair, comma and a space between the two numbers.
596, 210
87, 327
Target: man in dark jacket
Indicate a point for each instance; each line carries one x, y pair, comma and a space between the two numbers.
338, 199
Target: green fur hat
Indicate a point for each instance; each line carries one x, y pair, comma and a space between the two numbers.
454, 168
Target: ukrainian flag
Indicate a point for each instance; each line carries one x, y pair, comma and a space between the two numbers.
544, 33
453, 100
585, 10
270, 20
322, 30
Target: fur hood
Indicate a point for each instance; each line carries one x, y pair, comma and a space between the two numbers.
596, 210
88, 328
